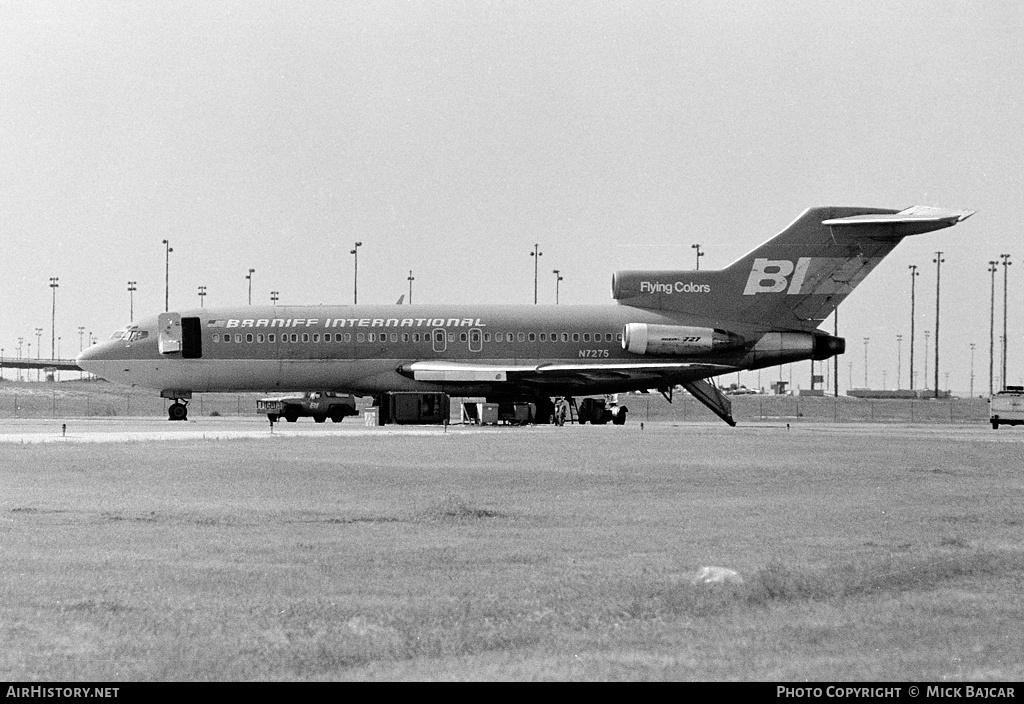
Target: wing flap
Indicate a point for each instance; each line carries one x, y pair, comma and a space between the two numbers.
454, 372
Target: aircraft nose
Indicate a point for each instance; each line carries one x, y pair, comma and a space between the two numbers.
89, 355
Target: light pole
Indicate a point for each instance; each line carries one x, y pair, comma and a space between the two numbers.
131, 301
913, 279
410, 278
999, 380
938, 280
274, 297
81, 334
248, 277
899, 359
558, 278
992, 267
699, 254
355, 278
20, 340
926, 334
39, 349
202, 295
866, 362
972, 370
167, 275
835, 371
1006, 269
53, 318
536, 254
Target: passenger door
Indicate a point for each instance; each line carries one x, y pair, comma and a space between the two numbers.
169, 330
177, 334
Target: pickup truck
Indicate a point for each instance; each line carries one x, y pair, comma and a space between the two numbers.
321, 405
1006, 407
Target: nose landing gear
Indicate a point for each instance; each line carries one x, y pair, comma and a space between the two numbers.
178, 410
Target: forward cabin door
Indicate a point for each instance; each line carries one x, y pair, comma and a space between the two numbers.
179, 334
191, 338
169, 327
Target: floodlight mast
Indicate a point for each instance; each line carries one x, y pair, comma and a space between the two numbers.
1006, 268
992, 268
914, 273
536, 254
699, 254
167, 274
558, 279
355, 277
938, 281
53, 319
131, 301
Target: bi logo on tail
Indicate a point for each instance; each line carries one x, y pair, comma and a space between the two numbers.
776, 276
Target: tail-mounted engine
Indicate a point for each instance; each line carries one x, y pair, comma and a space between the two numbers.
642, 338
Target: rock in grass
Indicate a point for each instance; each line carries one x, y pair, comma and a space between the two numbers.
717, 575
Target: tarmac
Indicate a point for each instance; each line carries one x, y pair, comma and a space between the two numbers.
152, 429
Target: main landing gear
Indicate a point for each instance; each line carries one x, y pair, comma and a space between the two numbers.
178, 410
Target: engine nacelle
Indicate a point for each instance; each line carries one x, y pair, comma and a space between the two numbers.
642, 338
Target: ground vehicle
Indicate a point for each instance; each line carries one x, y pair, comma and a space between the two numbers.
321, 405
598, 412
1007, 407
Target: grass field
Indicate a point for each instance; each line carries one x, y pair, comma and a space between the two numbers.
868, 552
91, 399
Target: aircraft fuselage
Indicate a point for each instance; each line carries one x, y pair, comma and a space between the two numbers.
363, 349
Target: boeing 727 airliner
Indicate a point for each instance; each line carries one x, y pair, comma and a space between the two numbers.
668, 328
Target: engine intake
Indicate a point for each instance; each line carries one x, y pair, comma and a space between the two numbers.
643, 338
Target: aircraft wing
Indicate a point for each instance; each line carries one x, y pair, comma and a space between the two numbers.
25, 363
454, 372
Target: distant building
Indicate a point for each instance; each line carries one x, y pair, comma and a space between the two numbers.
898, 393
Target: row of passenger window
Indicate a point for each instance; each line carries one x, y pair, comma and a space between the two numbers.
294, 337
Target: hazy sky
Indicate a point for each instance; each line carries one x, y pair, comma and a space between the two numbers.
449, 137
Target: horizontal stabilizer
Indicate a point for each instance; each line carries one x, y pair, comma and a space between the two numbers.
912, 221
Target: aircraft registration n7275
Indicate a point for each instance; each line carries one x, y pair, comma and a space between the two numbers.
667, 328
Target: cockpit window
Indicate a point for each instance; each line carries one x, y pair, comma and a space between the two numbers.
130, 334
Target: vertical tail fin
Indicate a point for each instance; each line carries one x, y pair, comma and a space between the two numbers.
794, 280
